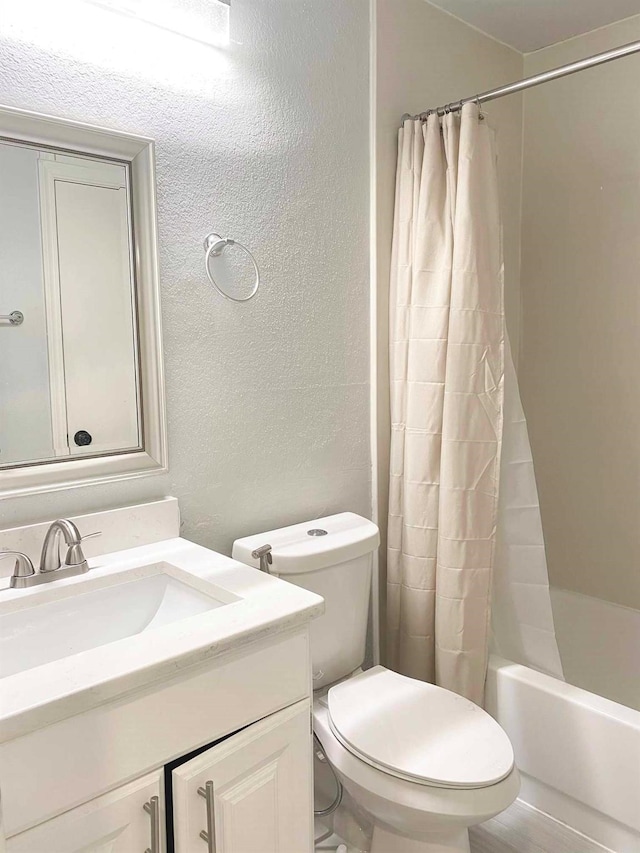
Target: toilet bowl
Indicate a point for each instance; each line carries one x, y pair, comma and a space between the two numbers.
411, 809
423, 763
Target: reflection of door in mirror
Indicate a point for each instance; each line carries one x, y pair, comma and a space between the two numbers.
69, 372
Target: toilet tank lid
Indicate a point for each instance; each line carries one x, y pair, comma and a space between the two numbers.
312, 545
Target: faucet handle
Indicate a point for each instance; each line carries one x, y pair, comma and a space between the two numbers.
75, 555
23, 567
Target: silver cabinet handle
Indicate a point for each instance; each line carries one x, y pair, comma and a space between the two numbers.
152, 808
210, 835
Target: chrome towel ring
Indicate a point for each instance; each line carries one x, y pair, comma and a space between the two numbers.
214, 245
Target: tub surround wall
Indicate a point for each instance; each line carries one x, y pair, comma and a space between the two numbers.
580, 345
266, 141
599, 643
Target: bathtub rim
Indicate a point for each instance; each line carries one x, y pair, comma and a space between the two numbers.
590, 791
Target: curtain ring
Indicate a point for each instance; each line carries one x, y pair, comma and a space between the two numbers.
479, 103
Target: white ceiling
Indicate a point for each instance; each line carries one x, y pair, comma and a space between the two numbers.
531, 24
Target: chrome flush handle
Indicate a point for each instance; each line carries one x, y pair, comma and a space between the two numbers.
264, 555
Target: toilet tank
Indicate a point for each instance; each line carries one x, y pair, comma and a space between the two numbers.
333, 557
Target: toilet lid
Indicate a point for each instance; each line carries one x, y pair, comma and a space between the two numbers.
418, 731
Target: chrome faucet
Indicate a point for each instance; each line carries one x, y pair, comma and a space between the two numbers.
51, 566
50, 557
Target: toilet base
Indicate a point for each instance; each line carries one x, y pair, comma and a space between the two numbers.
385, 841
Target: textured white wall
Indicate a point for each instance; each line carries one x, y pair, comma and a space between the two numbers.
267, 141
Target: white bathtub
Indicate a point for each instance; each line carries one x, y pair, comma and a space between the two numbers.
577, 743
579, 753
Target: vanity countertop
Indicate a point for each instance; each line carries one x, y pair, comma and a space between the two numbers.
260, 606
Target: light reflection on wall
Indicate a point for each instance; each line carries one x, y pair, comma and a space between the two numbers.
206, 21
94, 31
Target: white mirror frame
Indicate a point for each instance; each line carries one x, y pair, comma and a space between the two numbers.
138, 152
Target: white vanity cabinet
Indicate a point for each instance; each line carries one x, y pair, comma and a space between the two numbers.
250, 793
117, 822
239, 728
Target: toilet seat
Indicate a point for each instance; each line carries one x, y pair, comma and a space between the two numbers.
418, 732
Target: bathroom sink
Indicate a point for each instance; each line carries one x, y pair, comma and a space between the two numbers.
140, 617
57, 623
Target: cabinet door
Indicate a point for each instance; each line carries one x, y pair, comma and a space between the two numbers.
117, 822
252, 792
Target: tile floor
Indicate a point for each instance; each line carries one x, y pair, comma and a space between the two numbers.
520, 829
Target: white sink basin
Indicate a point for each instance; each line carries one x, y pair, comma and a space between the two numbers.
138, 620
58, 622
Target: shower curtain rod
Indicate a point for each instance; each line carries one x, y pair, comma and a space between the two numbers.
536, 80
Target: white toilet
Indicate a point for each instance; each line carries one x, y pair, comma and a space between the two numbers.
423, 763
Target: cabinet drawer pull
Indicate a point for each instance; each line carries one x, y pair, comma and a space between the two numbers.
152, 808
210, 835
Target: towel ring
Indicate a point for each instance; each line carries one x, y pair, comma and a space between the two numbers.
214, 245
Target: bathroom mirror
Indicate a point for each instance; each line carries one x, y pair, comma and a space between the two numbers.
81, 389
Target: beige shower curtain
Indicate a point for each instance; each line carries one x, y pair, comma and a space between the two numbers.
447, 366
